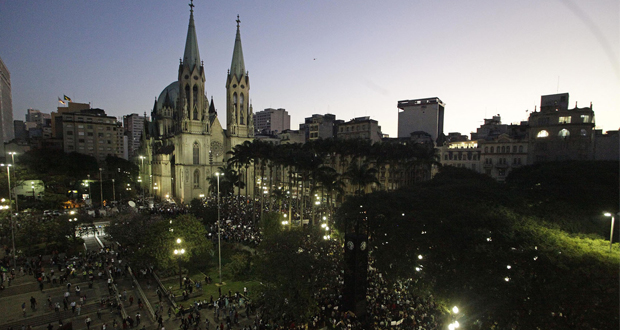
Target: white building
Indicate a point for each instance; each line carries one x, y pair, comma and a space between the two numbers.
424, 115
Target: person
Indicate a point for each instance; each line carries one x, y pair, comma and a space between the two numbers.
33, 303
77, 290
24, 309
88, 320
50, 326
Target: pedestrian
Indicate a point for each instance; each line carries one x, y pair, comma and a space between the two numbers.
24, 309
33, 303
79, 308
138, 318
73, 307
50, 326
88, 320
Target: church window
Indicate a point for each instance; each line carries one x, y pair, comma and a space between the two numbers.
543, 133
196, 154
196, 178
195, 98
187, 100
241, 103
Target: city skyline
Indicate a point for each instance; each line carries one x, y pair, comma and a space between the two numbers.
350, 59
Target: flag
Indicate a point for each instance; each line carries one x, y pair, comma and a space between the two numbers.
67, 98
61, 101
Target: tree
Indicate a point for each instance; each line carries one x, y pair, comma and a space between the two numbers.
361, 176
295, 267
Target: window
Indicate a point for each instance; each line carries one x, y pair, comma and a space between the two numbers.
445, 157
486, 150
196, 178
90, 134
543, 121
564, 133
69, 132
542, 134
583, 132
520, 149
80, 126
585, 118
564, 120
81, 133
196, 154
492, 149
514, 149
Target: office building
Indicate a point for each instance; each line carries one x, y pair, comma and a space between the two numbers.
272, 121
424, 115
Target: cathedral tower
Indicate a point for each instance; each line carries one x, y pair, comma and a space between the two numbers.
239, 116
191, 115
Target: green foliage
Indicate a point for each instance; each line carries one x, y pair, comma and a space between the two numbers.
271, 223
293, 266
239, 266
152, 240
484, 250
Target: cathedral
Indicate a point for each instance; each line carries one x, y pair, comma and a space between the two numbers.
184, 143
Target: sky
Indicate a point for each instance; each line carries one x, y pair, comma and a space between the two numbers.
349, 58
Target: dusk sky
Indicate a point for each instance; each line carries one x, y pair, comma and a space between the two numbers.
349, 58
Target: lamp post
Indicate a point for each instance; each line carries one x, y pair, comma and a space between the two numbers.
101, 187
611, 234
141, 174
113, 191
219, 242
89, 193
180, 252
32, 186
8, 176
13, 153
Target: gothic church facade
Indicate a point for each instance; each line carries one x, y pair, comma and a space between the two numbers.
184, 144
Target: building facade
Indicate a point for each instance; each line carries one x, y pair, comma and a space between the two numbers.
558, 133
360, 128
92, 132
424, 115
134, 126
185, 143
272, 121
6, 106
320, 127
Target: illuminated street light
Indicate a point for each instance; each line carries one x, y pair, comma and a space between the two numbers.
8, 176
611, 233
180, 252
219, 231
455, 310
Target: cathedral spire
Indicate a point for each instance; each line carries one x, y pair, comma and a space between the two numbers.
191, 58
237, 67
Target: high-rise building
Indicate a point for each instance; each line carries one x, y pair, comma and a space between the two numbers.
37, 117
272, 121
57, 127
559, 133
134, 126
92, 132
6, 107
424, 115
360, 128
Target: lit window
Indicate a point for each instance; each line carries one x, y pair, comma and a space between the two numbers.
585, 118
564, 120
542, 134
564, 133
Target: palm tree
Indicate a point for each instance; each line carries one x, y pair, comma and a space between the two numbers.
361, 176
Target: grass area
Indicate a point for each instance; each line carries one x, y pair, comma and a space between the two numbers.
197, 274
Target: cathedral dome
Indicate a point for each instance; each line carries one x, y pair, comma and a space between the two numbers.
168, 97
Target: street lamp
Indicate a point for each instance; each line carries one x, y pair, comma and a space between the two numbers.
101, 187
13, 153
32, 186
8, 176
140, 176
113, 190
611, 234
89, 192
180, 253
219, 242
